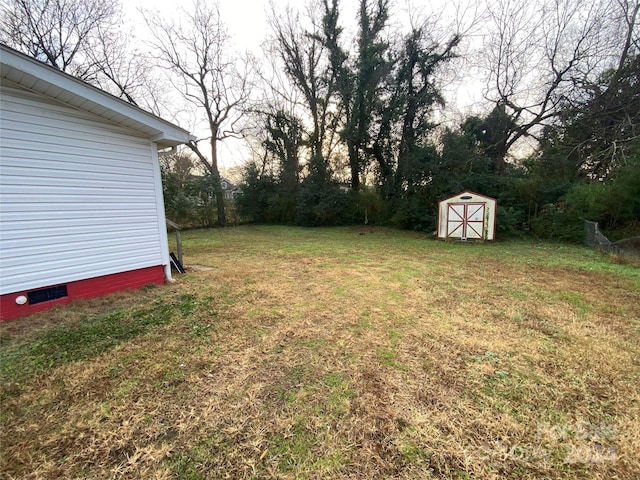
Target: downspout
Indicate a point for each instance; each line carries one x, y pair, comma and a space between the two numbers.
167, 268
164, 246
164, 153
167, 274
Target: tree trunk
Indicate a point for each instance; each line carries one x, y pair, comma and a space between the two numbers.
212, 168
217, 184
354, 164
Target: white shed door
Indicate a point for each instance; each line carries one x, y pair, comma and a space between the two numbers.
465, 220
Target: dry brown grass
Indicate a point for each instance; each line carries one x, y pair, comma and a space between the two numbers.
337, 354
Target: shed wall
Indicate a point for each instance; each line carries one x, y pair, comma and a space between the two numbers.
78, 196
469, 198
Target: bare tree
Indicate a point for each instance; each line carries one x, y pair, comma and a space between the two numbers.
61, 33
600, 123
305, 59
119, 69
83, 38
195, 49
624, 33
535, 53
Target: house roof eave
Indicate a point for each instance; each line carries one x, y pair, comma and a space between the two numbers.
38, 77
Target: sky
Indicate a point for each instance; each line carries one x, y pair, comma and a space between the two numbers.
247, 22
245, 19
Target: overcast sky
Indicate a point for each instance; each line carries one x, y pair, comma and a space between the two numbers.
247, 22
245, 19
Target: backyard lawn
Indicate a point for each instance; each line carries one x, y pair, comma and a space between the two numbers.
363, 353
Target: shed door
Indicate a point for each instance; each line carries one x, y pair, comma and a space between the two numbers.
465, 220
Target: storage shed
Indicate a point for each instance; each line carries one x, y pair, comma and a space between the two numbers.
81, 208
467, 216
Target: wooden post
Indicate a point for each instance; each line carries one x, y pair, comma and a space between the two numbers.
177, 228
179, 242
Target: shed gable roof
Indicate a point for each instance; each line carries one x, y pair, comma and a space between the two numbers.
467, 192
37, 77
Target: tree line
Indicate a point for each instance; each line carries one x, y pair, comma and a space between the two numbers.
362, 140
349, 121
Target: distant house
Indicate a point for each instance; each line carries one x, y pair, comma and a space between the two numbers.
81, 208
467, 216
228, 188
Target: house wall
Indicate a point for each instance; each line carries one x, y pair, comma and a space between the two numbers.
78, 196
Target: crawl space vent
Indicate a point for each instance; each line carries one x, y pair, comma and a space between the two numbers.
46, 294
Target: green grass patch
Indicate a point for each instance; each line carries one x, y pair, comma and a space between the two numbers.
20, 359
324, 353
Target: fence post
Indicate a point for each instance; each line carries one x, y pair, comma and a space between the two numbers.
177, 228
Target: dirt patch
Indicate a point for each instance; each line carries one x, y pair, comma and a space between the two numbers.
197, 268
365, 229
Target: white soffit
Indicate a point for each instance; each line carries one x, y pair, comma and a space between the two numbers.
40, 78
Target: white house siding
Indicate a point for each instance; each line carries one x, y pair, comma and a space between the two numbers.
77, 195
